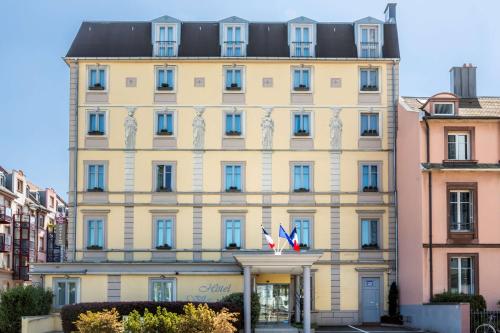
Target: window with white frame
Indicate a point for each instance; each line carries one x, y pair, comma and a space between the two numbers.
234, 40
461, 210
233, 78
165, 123
164, 178
2, 179
233, 123
302, 123
458, 146
369, 234
232, 176
369, 80
95, 234
166, 44
369, 43
303, 227
232, 227
162, 290
462, 275
301, 177
370, 177
302, 79
165, 79
95, 178
97, 78
96, 123
164, 233
369, 124
66, 291
302, 45
444, 108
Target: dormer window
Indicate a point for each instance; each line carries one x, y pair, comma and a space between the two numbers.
165, 43
369, 44
444, 109
234, 41
302, 45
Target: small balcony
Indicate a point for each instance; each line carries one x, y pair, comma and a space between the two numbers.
302, 49
165, 48
5, 215
5, 243
369, 50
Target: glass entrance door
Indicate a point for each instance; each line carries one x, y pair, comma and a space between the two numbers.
274, 303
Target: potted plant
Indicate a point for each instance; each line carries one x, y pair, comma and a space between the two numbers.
370, 189
301, 132
233, 86
162, 188
370, 132
233, 133
232, 246
303, 246
94, 247
301, 189
301, 87
164, 131
164, 247
371, 246
95, 132
368, 87
96, 86
233, 189
165, 86
95, 189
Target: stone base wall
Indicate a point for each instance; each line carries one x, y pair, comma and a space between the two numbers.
328, 318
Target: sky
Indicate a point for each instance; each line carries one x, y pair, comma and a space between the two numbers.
35, 34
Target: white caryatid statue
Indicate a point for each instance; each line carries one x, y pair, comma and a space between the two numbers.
336, 129
267, 126
130, 129
199, 129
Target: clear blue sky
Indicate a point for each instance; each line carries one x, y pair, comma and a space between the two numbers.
35, 34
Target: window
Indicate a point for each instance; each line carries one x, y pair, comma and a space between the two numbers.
233, 124
66, 292
164, 123
302, 124
458, 146
162, 290
20, 186
164, 178
2, 179
41, 244
444, 108
165, 79
233, 233
369, 79
369, 234
233, 178
233, 79
97, 124
97, 78
369, 124
95, 179
52, 203
370, 178
301, 42
164, 233
234, 41
461, 208
303, 226
462, 275
301, 79
95, 234
166, 45
301, 178
369, 42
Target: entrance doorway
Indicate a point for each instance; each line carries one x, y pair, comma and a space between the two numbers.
370, 300
274, 303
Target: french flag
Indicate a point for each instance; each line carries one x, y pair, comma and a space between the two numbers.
268, 238
295, 239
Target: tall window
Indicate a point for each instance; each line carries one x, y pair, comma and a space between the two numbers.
302, 42
369, 79
369, 42
2, 179
370, 177
233, 233
164, 178
164, 233
164, 123
443, 108
233, 79
458, 146
303, 226
20, 186
462, 277
460, 207
301, 79
369, 124
97, 78
165, 79
166, 44
97, 124
234, 41
95, 234
66, 292
162, 290
302, 178
95, 181
301, 124
233, 124
233, 178
369, 234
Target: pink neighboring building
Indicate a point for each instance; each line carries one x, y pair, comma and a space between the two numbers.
448, 171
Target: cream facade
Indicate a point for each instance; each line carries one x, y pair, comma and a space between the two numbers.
171, 179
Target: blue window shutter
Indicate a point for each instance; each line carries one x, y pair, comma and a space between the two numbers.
91, 176
100, 234
161, 77
374, 77
237, 232
374, 122
168, 176
100, 176
306, 177
168, 236
170, 34
170, 78
93, 77
364, 123
160, 122
364, 78
238, 77
297, 179
101, 122
229, 177
229, 77
296, 78
102, 77
237, 122
229, 122
296, 123
93, 122
298, 35
305, 32
90, 233
366, 181
374, 175
170, 124
237, 176
305, 78
365, 232
374, 231
306, 125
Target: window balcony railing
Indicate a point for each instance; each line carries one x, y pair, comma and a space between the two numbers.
369, 50
462, 227
302, 49
5, 243
233, 48
166, 48
5, 215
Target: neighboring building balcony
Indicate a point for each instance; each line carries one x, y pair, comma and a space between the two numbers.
369, 50
5, 243
5, 215
165, 48
302, 49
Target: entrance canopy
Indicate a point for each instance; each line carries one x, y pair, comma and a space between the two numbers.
287, 263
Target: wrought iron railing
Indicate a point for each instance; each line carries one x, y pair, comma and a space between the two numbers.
5, 214
484, 318
166, 48
369, 50
233, 48
302, 49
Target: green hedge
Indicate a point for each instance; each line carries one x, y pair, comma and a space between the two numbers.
237, 300
477, 302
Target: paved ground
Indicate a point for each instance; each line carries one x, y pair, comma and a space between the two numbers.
365, 329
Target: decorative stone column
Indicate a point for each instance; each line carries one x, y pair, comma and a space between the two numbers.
267, 127
247, 298
129, 180
297, 298
198, 145
307, 299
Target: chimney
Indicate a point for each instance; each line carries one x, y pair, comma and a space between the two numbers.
463, 81
390, 13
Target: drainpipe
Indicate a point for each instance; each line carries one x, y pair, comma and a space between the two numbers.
394, 175
75, 168
427, 145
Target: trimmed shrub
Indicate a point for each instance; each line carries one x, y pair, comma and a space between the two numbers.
107, 321
163, 321
202, 319
237, 300
22, 301
70, 313
393, 300
477, 302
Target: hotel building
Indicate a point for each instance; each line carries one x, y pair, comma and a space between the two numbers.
186, 137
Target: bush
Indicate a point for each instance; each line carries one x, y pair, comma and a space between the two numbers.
393, 300
22, 301
202, 319
477, 302
107, 321
163, 321
237, 300
70, 313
